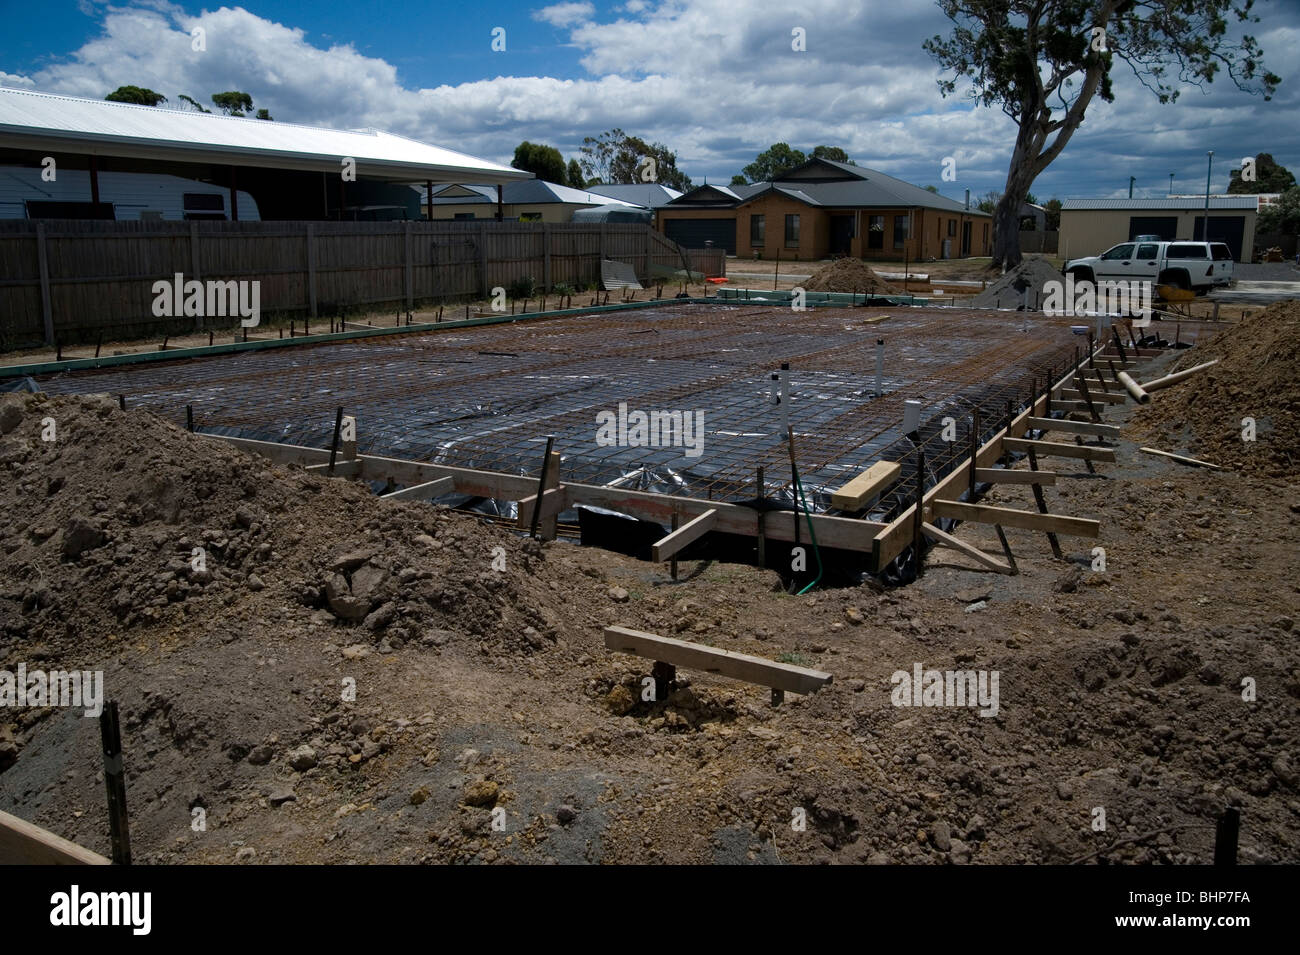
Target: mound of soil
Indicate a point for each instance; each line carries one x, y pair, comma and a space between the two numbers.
1255, 378
347, 679
1005, 292
849, 275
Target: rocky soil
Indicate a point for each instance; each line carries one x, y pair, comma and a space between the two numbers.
1258, 378
316, 675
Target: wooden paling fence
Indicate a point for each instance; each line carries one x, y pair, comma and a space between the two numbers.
73, 281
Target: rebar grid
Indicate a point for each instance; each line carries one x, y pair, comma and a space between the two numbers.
486, 397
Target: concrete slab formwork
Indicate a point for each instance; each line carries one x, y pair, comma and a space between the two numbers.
478, 402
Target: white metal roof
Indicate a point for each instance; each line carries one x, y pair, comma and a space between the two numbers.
1216, 202
32, 120
532, 192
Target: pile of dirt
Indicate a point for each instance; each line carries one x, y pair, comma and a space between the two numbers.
349, 679
849, 275
1031, 275
1255, 378
141, 523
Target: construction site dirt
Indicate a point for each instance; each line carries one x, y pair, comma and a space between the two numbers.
352, 679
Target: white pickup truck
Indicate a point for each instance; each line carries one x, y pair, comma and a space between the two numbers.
1199, 266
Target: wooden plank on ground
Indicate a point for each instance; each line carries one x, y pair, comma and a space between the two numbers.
1010, 476
855, 495
737, 666
1068, 406
23, 843
423, 492
1010, 517
945, 539
1061, 450
690, 531
1074, 427
553, 501
1184, 459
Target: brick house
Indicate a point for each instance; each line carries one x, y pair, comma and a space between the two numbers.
825, 208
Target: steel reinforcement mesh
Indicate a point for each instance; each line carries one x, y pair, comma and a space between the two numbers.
486, 397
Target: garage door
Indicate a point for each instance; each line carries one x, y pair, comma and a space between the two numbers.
694, 233
1226, 229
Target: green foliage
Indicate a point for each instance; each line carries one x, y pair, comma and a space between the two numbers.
140, 95
990, 201
264, 114
193, 103
233, 102
563, 288
544, 162
1270, 176
522, 288
1283, 217
772, 162
615, 157
739, 180
934, 189
574, 178
1053, 207
1042, 64
798, 659
833, 153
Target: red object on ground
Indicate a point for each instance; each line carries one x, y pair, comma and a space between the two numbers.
716, 280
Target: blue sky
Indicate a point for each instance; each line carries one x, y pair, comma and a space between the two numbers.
713, 79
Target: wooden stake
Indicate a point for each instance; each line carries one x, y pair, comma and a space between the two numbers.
541, 485
1226, 832
110, 732
334, 445
918, 520
673, 561
1087, 397
1042, 506
1006, 549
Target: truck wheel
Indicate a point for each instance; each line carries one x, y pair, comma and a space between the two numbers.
1081, 275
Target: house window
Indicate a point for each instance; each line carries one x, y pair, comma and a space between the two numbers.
952, 228
757, 230
792, 231
900, 232
876, 232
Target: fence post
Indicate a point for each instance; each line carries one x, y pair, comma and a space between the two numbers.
410, 287
646, 272
546, 256
311, 267
194, 265
484, 290
46, 312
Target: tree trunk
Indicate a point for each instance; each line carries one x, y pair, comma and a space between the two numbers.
1006, 217
1006, 231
